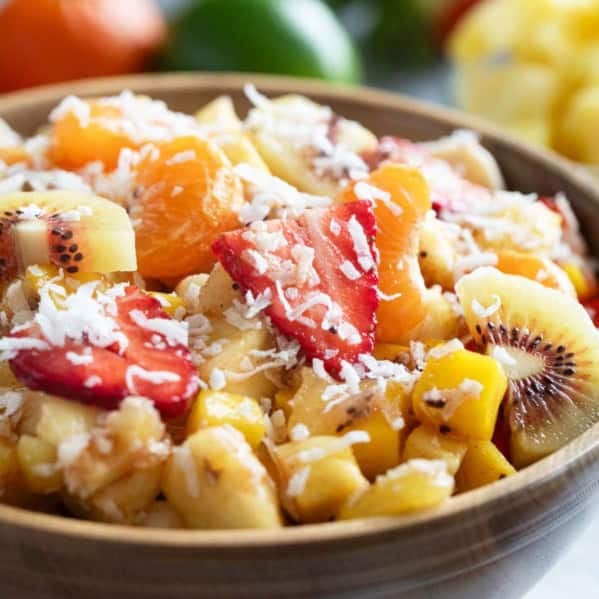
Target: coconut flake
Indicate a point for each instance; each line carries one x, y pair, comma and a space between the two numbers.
156, 377
444, 349
297, 482
483, 312
299, 432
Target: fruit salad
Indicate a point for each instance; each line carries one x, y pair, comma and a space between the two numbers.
216, 323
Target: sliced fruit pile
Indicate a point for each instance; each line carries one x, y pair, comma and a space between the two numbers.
277, 320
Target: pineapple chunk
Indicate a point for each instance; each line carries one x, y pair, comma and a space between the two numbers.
317, 476
415, 485
125, 501
128, 439
437, 255
215, 408
214, 480
54, 420
37, 461
482, 465
219, 115
425, 442
534, 88
170, 302
461, 390
237, 345
160, 514
240, 150
577, 136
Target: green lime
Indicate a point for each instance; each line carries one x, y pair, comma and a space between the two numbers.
292, 37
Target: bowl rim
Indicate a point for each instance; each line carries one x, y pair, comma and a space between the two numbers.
585, 446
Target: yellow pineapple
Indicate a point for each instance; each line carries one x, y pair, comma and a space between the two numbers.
215, 408
412, 486
317, 476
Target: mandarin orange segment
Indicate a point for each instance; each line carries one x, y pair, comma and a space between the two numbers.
186, 195
397, 222
533, 267
78, 138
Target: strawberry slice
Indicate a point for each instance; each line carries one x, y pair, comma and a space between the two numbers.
592, 307
149, 356
319, 273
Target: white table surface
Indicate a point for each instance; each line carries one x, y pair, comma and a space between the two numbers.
576, 575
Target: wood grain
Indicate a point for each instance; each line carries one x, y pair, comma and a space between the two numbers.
491, 543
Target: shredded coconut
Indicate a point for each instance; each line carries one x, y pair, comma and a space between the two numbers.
445, 349
297, 482
299, 432
360, 242
483, 312
156, 377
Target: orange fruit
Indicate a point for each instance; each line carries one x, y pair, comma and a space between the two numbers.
46, 41
186, 194
533, 267
397, 241
76, 141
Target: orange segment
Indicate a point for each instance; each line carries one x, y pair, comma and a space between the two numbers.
77, 139
397, 241
533, 267
186, 195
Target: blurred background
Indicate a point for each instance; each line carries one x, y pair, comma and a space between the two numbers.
529, 65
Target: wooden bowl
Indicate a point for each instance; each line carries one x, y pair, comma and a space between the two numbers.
495, 542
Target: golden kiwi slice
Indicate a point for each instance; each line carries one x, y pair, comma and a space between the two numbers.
549, 349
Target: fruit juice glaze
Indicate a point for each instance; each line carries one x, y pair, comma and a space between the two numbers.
210, 322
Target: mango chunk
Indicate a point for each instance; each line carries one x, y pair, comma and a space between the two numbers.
461, 391
317, 476
483, 464
216, 408
415, 485
425, 442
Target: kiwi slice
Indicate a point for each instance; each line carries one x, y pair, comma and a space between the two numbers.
79, 232
549, 349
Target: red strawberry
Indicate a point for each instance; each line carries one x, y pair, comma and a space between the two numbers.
320, 271
592, 306
154, 364
551, 203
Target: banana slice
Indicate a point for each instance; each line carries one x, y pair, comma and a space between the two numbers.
464, 152
306, 144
